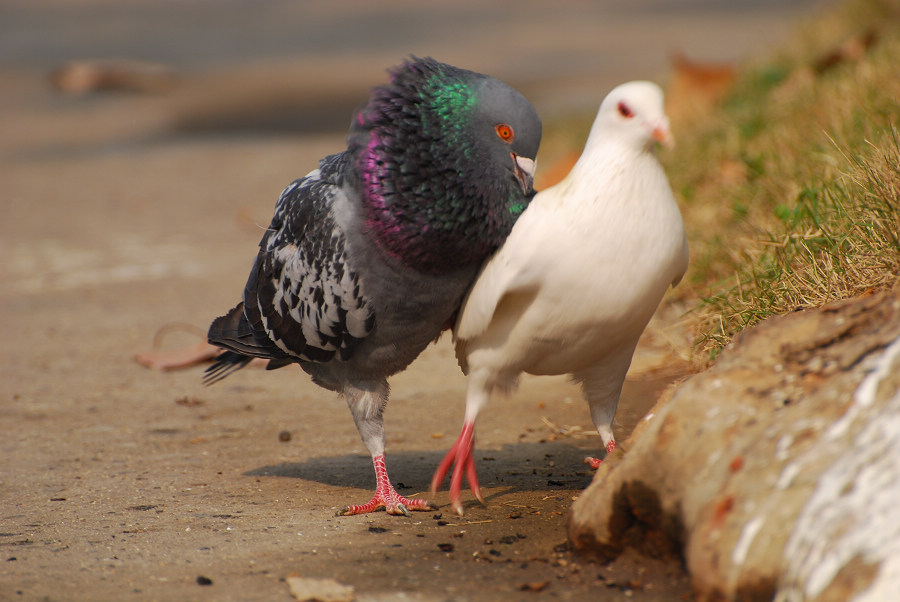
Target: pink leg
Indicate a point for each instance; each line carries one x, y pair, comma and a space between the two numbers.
595, 462
460, 456
386, 496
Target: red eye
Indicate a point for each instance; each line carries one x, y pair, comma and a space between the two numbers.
624, 111
505, 132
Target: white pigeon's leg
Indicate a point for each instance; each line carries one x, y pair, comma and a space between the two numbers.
602, 386
367, 406
460, 455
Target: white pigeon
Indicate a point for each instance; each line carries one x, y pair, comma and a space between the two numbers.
575, 284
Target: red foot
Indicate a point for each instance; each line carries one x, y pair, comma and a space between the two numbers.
386, 497
460, 455
596, 462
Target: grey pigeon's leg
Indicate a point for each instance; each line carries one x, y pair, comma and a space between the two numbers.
367, 406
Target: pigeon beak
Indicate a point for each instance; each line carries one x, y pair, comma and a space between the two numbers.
523, 169
660, 133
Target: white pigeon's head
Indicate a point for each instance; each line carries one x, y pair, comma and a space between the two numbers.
633, 113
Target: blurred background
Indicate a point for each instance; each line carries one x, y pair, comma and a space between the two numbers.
138, 136
308, 64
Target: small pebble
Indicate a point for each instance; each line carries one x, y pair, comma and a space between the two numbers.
536, 586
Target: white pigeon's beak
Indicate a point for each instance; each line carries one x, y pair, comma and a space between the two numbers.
659, 131
524, 172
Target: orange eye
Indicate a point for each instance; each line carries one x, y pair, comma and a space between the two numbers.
505, 132
624, 111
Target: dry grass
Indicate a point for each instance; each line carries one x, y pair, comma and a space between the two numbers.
791, 188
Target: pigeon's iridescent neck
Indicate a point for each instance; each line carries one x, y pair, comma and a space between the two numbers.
432, 197
420, 219
451, 103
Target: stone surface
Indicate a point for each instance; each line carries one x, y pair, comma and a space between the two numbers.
774, 473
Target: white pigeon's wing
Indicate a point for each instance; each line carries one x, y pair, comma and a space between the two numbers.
512, 270
302, 293
498, 278
683, 262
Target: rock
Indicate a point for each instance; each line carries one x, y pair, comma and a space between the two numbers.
776, 473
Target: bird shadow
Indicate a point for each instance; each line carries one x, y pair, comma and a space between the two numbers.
514, 467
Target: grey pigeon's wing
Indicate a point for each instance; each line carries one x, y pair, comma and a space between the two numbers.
302, 295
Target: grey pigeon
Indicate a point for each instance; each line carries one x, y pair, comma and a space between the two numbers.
368, 257
575, 284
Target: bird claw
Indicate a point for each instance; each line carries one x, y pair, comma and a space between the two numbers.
593, 462
596, 462
386, 496
392, 504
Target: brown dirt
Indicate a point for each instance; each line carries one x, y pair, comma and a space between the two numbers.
135, 482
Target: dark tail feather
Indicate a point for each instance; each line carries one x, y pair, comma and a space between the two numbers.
225, 364
234, 333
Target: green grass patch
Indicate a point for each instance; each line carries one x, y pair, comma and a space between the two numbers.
791, 189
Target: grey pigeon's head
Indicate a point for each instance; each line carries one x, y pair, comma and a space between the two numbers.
633, 113
444, 159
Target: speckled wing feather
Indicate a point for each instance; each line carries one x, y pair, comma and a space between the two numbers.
302, 301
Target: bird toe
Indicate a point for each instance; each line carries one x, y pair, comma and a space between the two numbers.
399, 509
593, 462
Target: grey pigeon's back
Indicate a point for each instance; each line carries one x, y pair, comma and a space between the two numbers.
305, 301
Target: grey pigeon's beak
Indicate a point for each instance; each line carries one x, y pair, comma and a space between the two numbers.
523, 169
